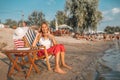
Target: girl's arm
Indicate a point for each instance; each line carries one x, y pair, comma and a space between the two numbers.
38, 35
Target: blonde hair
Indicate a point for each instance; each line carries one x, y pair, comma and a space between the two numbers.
40, 29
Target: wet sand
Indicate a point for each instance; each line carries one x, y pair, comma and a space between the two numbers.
80, 55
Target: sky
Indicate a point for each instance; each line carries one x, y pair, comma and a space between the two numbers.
111, 13
13, 9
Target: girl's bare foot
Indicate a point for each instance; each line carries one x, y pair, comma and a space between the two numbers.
58, 70
66, 66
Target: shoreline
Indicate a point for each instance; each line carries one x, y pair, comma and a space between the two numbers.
88, 71
109, 66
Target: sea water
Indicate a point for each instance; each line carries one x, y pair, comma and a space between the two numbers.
109, 64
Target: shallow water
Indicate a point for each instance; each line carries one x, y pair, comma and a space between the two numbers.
109, 65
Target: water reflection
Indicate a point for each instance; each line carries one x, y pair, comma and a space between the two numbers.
109, 65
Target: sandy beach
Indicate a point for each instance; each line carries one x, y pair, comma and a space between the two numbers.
81, 55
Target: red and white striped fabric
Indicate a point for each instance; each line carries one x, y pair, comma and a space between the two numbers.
19, 43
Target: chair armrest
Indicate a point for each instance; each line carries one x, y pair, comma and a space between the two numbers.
37, 47
42, 47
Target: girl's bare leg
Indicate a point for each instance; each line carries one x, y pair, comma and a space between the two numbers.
63, 60
57, 66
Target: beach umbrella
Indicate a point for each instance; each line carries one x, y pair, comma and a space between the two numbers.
65, 26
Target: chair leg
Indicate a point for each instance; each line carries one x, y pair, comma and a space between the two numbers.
12, 60
35, 67
13, 66
29, 71
32, 64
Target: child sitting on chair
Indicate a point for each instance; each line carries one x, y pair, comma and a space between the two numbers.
46, 39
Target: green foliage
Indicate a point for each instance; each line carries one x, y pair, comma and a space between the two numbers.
83, 14
0, 21
112, 29
61, 17
10, 22
52, 23
20, 23
36, 18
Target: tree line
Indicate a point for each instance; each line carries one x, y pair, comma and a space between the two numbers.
35, 18
81, 15
112, 29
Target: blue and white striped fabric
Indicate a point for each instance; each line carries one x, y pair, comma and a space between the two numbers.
30, 35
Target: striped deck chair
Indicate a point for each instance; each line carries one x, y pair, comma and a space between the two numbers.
28, 39
26, 42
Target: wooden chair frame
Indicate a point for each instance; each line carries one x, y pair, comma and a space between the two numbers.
35, 56
18, 54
